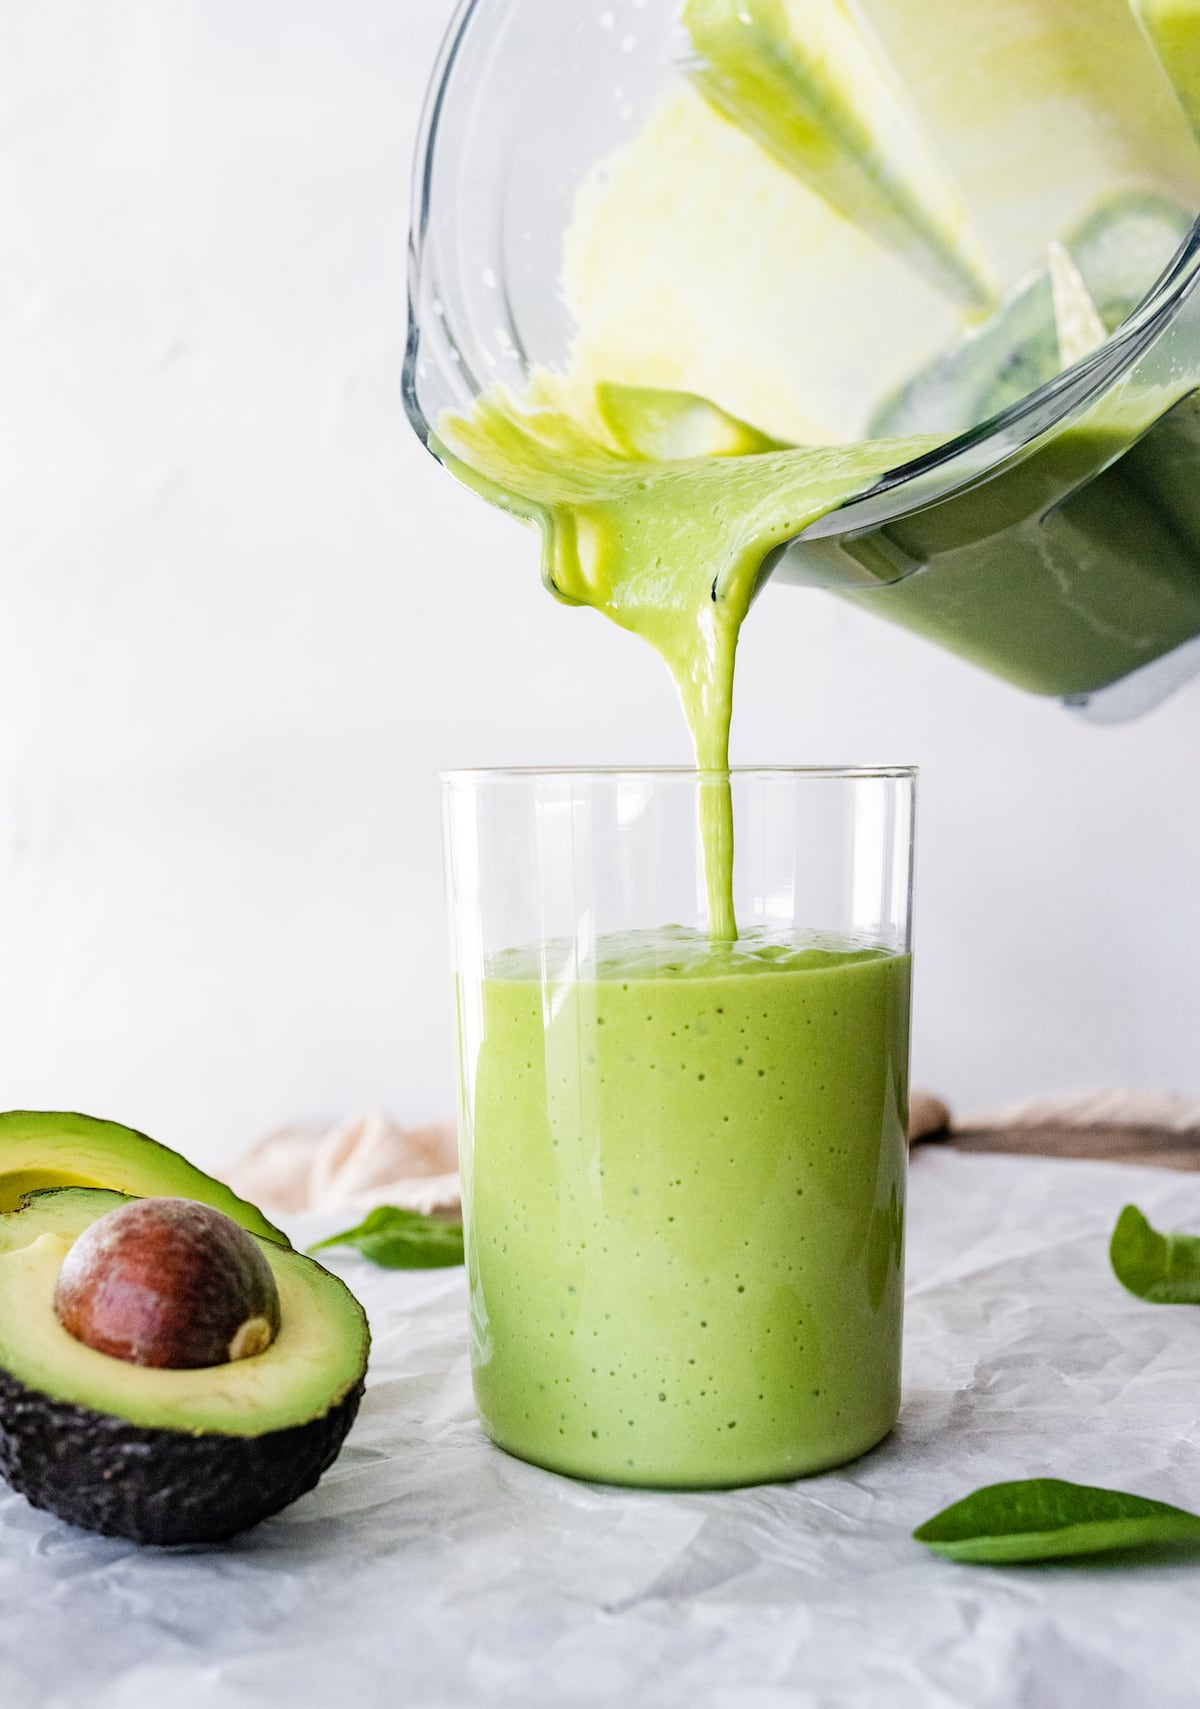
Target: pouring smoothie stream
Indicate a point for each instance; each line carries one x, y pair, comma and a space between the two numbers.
659, 507
684, 1146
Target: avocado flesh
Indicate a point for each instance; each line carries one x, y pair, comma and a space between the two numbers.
315, 1359
42, 1149
167, 1456
55, 1210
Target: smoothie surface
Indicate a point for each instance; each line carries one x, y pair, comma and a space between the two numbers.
682, 953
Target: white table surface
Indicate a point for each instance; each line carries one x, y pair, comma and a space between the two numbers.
429, 1569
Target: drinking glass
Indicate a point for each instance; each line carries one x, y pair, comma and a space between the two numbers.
683, 1159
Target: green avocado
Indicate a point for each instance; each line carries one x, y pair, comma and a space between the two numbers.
49, 1148
167, 1456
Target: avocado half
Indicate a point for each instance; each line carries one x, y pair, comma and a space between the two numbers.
40, 1149
167, 1456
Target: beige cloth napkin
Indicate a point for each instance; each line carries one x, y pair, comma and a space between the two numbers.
364, 1161
1167, 1110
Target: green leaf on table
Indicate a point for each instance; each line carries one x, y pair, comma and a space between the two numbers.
1162, 1268
1045, 1519
402, 1240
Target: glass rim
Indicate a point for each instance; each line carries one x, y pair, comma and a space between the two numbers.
474, 775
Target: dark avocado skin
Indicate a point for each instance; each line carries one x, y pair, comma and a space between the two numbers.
158, 1486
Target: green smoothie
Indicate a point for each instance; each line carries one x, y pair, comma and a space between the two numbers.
683, 1165
685, 1188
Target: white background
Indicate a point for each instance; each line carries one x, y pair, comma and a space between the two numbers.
244, 621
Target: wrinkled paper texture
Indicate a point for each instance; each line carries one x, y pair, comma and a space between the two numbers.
429, 1569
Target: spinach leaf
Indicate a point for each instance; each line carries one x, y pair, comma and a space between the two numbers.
402, 1240
1162, 1268
1045, 1519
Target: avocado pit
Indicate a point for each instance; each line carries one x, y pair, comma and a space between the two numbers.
168, 1283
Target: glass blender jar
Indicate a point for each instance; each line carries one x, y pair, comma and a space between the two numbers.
1053, 537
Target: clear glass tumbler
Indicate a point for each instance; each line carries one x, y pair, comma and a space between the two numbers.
683, 1159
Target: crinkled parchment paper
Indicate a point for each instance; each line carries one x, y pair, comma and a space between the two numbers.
429, 1569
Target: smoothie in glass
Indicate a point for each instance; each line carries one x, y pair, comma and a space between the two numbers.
685, 1209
